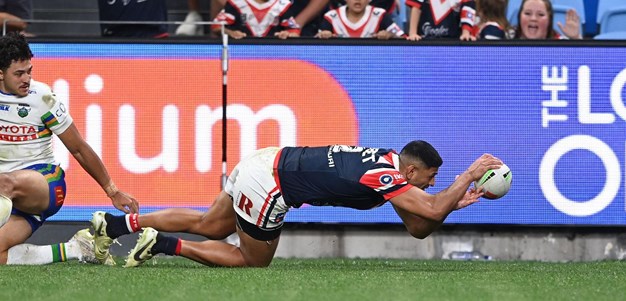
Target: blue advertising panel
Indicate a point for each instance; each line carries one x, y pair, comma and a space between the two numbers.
554, 114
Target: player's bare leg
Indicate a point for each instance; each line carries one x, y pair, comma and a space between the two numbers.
216, 223
250, 253
13, 233
28, 190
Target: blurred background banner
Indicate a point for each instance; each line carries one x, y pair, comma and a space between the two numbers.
554, 113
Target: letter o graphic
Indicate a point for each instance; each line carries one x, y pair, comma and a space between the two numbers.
601, 200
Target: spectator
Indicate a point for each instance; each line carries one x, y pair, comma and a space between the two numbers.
309, 14
258, 18
536, 21
133, 10
436, 19
491, 22
357, 19
16, 11
389, 5
189, 28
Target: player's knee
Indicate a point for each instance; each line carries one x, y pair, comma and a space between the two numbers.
7, 184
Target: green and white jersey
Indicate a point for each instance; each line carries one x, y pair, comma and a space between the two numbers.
26, 127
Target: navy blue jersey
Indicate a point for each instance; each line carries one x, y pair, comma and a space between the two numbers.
133, 10
339, 175
491, 31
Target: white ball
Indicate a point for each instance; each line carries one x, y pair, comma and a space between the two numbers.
5, 209
495, 182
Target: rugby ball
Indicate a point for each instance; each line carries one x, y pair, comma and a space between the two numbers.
495, 182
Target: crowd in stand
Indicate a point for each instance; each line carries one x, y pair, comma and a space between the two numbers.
467, 20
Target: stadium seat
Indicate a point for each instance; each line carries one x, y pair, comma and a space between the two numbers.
577, 5
614, 35
604, 5
560, 11
614, 19
400, 15
511, 11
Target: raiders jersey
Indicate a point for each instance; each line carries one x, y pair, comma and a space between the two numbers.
339, 175
258, 19
26, 127
374, 20
444, 18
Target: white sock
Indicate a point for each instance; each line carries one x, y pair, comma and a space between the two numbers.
27, 254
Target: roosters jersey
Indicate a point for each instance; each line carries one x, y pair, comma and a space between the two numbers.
490, 31
374, 20
339, 175
444, 18
258, 19
26, 127
387, 5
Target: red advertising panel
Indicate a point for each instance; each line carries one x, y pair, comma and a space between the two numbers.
157, 123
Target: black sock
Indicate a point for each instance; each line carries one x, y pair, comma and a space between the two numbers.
116, 225
165, 244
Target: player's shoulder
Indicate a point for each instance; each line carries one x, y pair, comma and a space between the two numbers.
39, 88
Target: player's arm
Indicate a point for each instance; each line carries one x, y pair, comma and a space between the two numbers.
417, 226
91, 163
436, 207
420, 228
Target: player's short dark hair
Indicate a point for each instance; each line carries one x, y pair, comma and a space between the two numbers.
13, 48
420, 150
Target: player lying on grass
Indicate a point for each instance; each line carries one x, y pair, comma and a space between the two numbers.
265, 185
32, 183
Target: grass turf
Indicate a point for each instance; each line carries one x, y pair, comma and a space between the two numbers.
319, 279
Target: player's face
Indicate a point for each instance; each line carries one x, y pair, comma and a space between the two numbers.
357, 6
16, 79
421, 176
534, 20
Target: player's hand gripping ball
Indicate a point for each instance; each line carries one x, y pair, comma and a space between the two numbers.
495, 182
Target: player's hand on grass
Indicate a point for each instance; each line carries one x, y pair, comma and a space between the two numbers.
124, 202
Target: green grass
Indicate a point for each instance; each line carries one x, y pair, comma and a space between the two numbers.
319, 279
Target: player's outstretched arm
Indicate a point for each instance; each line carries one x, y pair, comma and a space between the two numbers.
436, 207
92, 164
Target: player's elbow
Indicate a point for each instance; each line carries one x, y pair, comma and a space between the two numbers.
436, 215
419, 233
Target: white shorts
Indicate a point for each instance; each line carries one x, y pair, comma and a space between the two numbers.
258, 202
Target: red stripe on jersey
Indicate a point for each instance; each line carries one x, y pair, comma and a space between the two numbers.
398, 192
389, 158
382, 179
275, 172
268, 199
